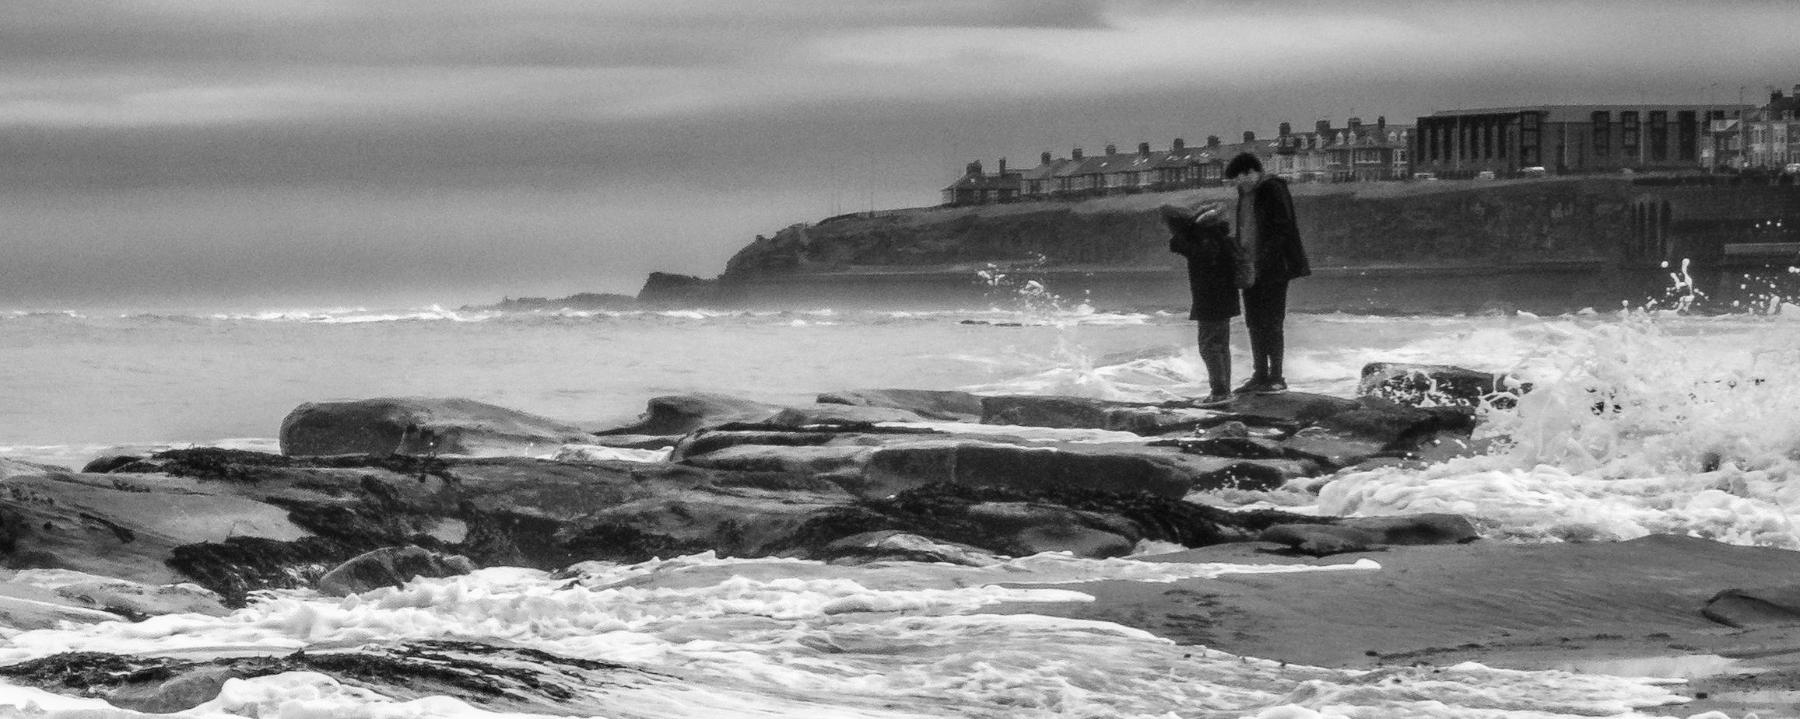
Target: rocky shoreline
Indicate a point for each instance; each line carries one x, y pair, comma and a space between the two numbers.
373, 493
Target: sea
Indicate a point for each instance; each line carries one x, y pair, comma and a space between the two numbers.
1641, 419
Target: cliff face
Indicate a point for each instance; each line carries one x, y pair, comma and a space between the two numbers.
1428, 224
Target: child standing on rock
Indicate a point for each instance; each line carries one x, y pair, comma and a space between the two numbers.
1205, 240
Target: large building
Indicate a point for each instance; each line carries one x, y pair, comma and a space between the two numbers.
1565, 139
1767, 138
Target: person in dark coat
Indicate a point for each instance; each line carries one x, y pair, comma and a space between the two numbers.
1205, 240
1267, 231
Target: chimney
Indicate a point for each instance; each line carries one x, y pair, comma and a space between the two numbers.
1002, 167
1143, 148
1112, 149
1775, 96
1249, 136
1179, 145
1355, 123
974, 169
1044, 159
1075, 154
1212, 140
1286, 129
1381, 124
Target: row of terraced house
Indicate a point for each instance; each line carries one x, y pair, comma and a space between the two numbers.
1355, 152
1484, 143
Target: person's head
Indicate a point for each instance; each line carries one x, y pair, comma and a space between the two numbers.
1243, 170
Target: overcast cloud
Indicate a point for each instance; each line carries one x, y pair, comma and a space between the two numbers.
253, 152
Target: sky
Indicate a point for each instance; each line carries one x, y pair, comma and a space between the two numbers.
275, 153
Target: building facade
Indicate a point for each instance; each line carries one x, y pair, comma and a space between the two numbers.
1564, 139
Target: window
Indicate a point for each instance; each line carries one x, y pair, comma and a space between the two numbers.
1602, 133
1687, 131
1659, 135
1628, 132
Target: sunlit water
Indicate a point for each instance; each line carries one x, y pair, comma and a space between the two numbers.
1695, 433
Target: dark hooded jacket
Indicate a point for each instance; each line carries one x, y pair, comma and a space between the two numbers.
1207, 245
1279, 253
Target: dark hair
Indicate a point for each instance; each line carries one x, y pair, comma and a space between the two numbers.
1244, 162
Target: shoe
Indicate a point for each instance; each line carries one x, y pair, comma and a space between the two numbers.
1255, 386
1216, 399
1273, 386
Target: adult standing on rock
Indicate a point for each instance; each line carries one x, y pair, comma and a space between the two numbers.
1205, 240
1268, 232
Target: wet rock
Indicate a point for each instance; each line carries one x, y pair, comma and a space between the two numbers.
109, 462
1288, 409
1358, 534
1435, 384
681, 414
506, 680
813, 460
1017, 520
390, 567
1398, 427
948, 405
841, 415
1333, 450
1762, 606
420, 426
1048, 411
1005, 465
891, 545
134, 600
707, 441
1238, 447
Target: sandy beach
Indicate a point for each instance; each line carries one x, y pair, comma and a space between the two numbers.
1626, 608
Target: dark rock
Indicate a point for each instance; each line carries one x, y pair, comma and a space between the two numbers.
1254, 475
1359, 534
1764, 606
891, 545
1434, 528
1333, 450
1285, 408
109, 462
1045, 411
681, 414
803, 461
1004, 465
1398, 427
390, 567
841, 415
947, 405
712, 440
1238, 447
419, 426
1025, 520
1322, 539
507, 680
1431, 384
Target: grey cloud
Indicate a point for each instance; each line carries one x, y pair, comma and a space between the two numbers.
469, 32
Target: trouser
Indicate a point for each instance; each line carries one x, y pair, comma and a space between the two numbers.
1215, 353
1265, 311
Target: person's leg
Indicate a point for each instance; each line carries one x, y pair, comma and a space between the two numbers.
1265, 313
1215, 353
